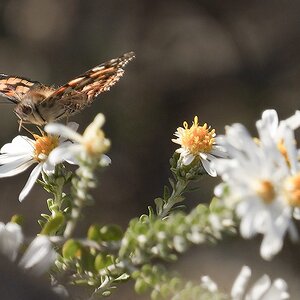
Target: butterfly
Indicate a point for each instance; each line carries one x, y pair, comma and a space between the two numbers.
39, 104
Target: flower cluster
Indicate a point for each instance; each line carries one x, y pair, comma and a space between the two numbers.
261, 186
261, 178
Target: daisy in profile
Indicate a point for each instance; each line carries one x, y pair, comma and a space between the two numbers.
92, 143
198, 142
23, 152
263, 181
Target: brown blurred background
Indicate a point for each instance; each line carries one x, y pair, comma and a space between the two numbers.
225, 61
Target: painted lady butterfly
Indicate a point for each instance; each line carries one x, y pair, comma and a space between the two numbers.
39, 104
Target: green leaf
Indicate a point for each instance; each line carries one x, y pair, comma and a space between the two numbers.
159, 203
151, 212
166, 192
71, 249
53, 224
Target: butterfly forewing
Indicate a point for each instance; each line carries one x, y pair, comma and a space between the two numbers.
82, 90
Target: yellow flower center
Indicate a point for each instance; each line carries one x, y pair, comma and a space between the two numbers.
292, 190
43, 146
265, 190
197, 138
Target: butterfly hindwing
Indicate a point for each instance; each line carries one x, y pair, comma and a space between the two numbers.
14, 88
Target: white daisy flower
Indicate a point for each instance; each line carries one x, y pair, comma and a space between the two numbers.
198, 141
39, 256
255, 175
270, 125
91, 144
11, 238
263, 289
22, 152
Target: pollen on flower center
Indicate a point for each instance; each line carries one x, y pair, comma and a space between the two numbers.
43, 146
265, 190
197, 138
292, 190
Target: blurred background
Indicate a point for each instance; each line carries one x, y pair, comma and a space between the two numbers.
225, 61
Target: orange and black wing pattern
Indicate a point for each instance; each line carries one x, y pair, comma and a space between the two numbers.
15, 88
82, 90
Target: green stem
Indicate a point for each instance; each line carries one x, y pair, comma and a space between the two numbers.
175, 197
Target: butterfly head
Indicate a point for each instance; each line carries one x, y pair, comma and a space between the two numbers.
27, 110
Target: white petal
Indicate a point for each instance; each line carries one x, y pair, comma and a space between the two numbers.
278, 291
289, 142
259, 288
48, 168
187, 159
208, 168
65, 153
271, 245
209, 284
294, 121
62, 130
11, 238
30, 182
39, 256
105, 160
15, 167
73, 126
269, 121
240, 284
19, 145
296, 213
220, 152
8, 158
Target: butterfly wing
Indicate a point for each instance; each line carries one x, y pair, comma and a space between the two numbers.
14, 88
81, 91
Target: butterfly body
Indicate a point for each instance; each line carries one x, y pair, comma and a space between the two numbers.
40, 104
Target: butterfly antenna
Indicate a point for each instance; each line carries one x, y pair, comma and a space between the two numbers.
40, 130
20, 125
25, 128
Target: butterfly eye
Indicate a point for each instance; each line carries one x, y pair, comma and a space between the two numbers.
26, 110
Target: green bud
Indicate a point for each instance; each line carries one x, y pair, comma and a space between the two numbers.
71, 249
94, 233
53, 224
106, 293
18, 219
111, 233
141, 286
102, 261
